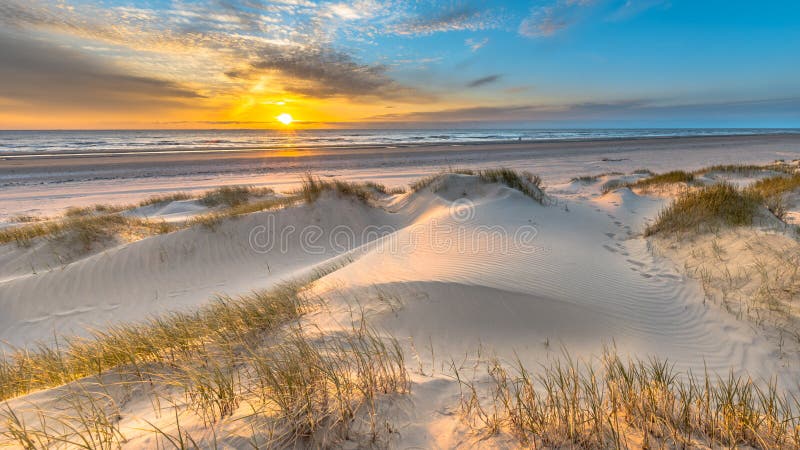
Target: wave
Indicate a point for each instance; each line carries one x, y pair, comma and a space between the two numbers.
39, 142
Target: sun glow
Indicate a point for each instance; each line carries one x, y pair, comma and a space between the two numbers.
285, 119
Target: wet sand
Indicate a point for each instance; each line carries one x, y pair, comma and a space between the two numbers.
226, 160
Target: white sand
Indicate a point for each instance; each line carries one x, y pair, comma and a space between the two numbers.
472, 266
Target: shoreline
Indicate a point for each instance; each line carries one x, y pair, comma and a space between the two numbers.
345, 147
586, 146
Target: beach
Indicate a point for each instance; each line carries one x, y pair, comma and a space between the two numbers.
313, 224
427, 278
42, 184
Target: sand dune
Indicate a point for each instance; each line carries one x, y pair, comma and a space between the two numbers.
463, 267
585, 280
580, 266
178, 270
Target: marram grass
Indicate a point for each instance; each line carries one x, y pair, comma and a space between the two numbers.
707, 209
627, 404
525, 182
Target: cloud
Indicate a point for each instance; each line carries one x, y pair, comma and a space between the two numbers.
476, 45
610, 112
13, 13
546, 21
484, 80
633, 8
244, 39
458, 18
323, 72
36, 74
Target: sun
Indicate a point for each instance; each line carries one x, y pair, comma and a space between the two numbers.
285, 119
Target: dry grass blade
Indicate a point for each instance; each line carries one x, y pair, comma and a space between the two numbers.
85, 229
706, 209
166, 198
232, 196
160, 340
676, 176
628, 405
313, 187
315, 389
525, 182
89, 420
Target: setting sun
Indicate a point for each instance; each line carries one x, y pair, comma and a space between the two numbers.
285, 119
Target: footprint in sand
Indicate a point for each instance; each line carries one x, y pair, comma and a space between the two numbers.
636, 263
611, 235
609, 248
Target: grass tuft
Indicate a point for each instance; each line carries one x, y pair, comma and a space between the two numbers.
773, 190
707, 209
525, 182
633, 404
777, 185
232, 196
313, 187
585, 179
676, 176
320, 384
86, 229
747, 169
161, 340
377, 187
159, 199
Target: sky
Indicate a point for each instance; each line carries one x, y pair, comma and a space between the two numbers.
90, 64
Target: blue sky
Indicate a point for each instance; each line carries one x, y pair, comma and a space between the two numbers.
238, 63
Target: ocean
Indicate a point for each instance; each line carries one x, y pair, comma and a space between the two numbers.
119, 141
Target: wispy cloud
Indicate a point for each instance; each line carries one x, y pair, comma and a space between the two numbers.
458, 18
633, 8
476, 44
545, 21
484, 81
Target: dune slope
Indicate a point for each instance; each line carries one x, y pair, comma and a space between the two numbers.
459, 270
